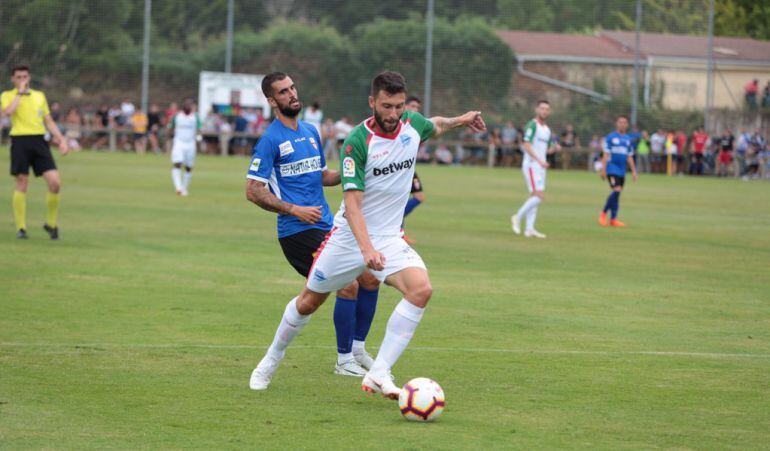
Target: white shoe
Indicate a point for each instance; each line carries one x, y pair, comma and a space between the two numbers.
184, 193
364, 359
380, 383
260, 377
515, 224
534, 234
349, 368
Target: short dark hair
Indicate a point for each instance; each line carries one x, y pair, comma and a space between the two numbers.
623, 116
411, 99
21, 68
543, 101
390, 82
267, 82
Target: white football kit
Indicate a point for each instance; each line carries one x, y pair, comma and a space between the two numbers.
382, 166
184, 144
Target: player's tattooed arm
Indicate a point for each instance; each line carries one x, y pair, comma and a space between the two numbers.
258, 193
471, 119
331, 177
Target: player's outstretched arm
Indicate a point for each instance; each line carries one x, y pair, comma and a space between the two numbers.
471, 119
355, 217
331, 177
54, 129
258, 193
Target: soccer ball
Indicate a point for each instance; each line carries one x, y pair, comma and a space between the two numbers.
421, 399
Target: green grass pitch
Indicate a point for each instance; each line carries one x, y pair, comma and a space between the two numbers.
140, 327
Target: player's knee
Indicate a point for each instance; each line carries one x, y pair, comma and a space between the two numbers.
307, 304
349, 292
539, 194
178, 165
368, 282
420, 294
22, 181
54, 186
188, 168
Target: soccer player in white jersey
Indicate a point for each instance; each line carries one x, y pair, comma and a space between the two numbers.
536, 145
377, 169
184, 125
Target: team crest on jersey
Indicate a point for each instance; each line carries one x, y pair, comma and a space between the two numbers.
348, 149
405, 140
286, 148
348, 167
255, 164
312, 141
615, 141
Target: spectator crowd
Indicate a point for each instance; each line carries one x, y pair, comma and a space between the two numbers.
235, 130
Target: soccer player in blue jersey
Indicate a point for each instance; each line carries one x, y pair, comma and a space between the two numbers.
618, 155
286, 176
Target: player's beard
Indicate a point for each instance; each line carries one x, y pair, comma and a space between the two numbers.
290, 111
384, 126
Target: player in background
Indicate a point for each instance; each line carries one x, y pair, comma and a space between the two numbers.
30, 116
377, 170
618, 155
413, 103
537, 144
287, 175
184, 126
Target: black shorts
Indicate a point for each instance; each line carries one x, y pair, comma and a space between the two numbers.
616, 180
416, 184
300, 248
29, 151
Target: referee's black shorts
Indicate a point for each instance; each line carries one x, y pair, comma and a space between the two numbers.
300, 248
29, 151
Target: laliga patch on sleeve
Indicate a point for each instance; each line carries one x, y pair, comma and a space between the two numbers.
255, 164
348, 167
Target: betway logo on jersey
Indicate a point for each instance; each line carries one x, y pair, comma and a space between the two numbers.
300, 167
393, 167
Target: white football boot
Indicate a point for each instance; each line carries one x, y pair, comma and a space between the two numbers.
260, 377
516, 224
534, 234
364, 359
381, 383
349, 367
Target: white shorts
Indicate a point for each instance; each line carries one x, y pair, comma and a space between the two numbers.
534, 176
184, 154
339, 261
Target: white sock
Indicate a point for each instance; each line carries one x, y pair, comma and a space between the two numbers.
176, 177
531, 217
400, 329
342, 357
533, 201
359, 347
291, 324
186, 180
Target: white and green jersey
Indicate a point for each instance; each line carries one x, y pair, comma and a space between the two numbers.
539, 137
382, 166
185, 127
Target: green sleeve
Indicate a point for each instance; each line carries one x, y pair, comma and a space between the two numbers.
353, 154
529, 131
420, 123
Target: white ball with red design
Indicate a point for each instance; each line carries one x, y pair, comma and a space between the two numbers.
421, 399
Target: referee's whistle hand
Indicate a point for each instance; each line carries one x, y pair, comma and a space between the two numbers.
308, 215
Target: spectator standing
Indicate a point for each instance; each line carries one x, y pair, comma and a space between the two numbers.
73, 123
754, 155
750, 92
681, 145
725, 153
699, 141
657, 146
329, 135
643, 152
595, 159
313, 115
170, 112
741, 147
569, 141
127, 110
508, 137
102, 123
444, 155
766, 96
139, 126
154, 125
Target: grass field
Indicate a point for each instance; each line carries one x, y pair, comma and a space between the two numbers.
140, 327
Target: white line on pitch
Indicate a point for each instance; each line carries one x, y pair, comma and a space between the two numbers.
712, 355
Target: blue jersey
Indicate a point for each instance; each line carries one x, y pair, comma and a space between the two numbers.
291, 163
620, 147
